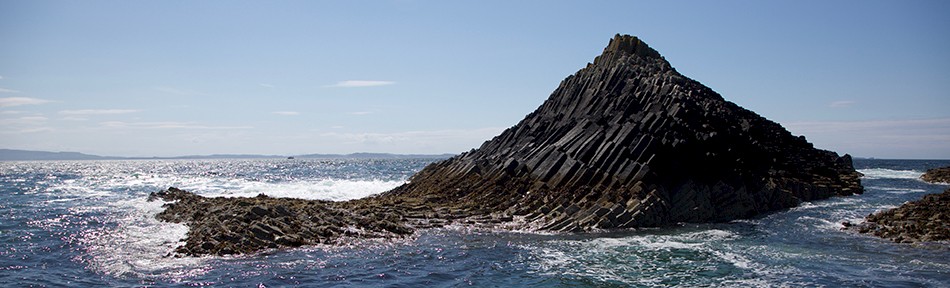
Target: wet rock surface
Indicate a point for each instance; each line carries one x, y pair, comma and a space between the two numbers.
625, 142
925, 220
937, 175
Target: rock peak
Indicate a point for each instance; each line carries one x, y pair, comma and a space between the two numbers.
626, 44
629, 142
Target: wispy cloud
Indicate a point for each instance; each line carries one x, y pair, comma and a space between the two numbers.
287, 113
265, 85
25, 120
98, 111
18, 101
841, 104
167, 125
361, 83
35, 130
873, 126
4, 90
25, 124
418, 138
906, 138
176, 91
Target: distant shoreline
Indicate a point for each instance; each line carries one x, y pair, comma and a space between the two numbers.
31, 155
28, 155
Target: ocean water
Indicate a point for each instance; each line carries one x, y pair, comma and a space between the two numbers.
86, 223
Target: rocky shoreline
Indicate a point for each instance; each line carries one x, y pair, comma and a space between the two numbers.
238, 225
925, 220
222, 226
937, 175
626, 142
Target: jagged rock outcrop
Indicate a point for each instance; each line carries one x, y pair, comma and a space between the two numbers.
625, 142
629, 142
937, 175
925, 220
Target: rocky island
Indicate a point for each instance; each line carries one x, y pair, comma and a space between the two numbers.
625, 142
937, 175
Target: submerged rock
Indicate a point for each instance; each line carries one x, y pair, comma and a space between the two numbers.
625, 142
937, 175
925, 220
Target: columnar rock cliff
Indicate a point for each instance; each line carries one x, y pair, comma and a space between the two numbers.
625, 142
629, 142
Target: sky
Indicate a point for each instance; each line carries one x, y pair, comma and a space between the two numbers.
167, 78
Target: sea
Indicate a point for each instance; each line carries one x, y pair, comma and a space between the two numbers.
87, 223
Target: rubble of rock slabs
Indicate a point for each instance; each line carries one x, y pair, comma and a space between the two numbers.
240, 225
925, 220
221, 226
625, 142
937, 175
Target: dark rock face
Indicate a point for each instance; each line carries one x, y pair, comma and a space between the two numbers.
926, 220
629, 142
937, 175
625, 142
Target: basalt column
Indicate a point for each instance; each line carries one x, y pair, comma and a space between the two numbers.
629, 142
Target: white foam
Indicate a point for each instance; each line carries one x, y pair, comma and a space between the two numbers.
881, 173
140, 245
735, 259
711, 235
322, 189
553, 257
328, 189
135, 244
639, 254
820, 223
895, 190
319, 189
812, 205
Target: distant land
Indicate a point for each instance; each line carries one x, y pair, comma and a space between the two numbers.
27, 155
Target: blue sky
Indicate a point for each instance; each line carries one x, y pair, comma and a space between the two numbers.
164, 78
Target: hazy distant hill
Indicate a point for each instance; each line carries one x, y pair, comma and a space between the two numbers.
18, 155
26, 155
222, 156
375, 156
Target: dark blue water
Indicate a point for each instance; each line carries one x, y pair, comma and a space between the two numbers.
86, 223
